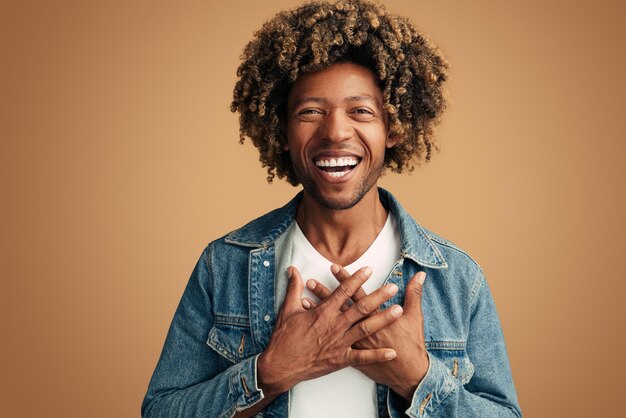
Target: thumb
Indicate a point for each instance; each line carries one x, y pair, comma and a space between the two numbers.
413, 298
295, 286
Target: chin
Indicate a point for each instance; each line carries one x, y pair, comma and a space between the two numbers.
337, 200
337, 204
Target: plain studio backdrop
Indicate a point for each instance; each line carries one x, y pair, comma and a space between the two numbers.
120, 161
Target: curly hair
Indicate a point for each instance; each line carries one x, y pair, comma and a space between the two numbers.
410, 72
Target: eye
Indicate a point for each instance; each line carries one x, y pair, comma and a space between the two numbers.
309, 114
363, 113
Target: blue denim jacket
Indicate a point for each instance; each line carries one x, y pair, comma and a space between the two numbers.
228, 311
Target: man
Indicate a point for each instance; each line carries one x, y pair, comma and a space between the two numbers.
396, 320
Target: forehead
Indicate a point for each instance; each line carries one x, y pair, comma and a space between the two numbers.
339, 82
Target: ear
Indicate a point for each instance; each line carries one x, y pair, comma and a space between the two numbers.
391, 140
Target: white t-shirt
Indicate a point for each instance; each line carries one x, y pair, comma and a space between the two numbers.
345, 393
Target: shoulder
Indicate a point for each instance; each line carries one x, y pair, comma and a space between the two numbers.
262, 231
451, 251
427, 248
463, 274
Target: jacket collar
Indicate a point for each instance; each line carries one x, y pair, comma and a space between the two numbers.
416, 244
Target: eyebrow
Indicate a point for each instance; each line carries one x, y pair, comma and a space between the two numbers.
366, 98
314, 99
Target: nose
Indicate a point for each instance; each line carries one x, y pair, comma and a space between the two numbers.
336, 127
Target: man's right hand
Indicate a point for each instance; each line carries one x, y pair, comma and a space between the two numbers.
311, 343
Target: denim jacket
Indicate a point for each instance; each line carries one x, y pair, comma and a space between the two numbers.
228, 310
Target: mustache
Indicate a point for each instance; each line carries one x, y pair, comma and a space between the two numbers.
351, 148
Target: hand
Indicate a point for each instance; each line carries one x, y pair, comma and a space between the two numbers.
406, 335
308, 343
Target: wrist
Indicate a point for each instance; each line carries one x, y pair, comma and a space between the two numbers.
405, 392
407, 387
269, 381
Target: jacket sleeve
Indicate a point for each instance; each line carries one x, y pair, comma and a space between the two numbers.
187, 381
489, 393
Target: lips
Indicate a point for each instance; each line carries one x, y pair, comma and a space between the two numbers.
337, 167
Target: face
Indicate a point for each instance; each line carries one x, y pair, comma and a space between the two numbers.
337, 134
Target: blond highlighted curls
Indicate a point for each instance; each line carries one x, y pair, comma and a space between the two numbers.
410, 71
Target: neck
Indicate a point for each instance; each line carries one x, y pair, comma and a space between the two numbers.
342, 236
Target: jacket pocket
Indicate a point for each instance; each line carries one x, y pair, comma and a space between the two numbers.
231, 338
454, 356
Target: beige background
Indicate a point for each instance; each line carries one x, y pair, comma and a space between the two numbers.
120, 161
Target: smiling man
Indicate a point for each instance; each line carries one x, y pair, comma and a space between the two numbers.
395, 320
326, 111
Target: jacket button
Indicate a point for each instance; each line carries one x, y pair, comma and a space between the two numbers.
266, 263
266, 318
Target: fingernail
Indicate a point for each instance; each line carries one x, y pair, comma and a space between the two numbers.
311, 284
390, 355
289, 272
421, 276
306, 303
392, 289
334, 269
367, 271
396, 310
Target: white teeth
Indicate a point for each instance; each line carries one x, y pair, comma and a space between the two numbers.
337, 162
338, 173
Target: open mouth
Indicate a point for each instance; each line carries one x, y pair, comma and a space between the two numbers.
337, 167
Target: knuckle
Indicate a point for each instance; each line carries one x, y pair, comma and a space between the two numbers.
359, 357
359, 294
344, 289
362, 307
415, 288
292, 284
364, 328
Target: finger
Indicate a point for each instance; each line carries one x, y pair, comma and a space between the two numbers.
377, 355
308, 303
294, 291
346, 289
322, 292
370, 303
413, 298
318, 289
341, 274
373, 324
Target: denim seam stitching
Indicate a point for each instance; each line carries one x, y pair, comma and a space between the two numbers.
446, 345
234, 320
454, 247
476, 288
208, 262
